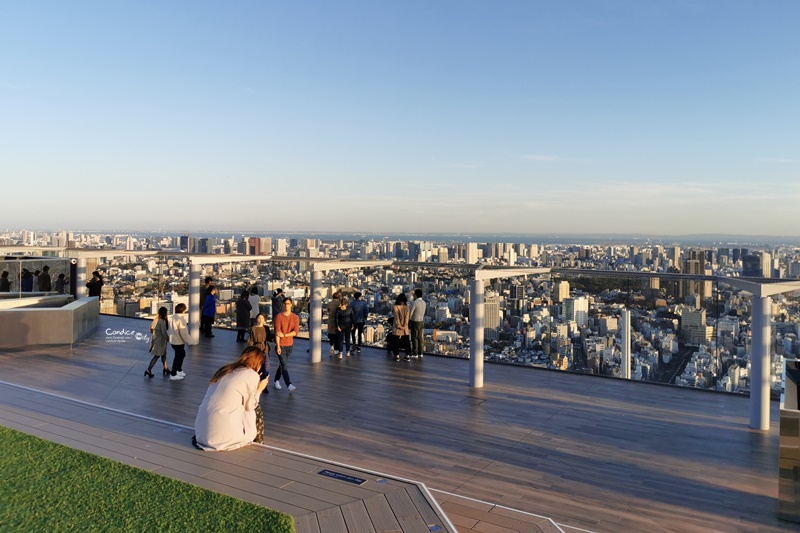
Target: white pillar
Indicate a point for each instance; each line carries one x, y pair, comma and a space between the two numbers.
759, 363
80, 282
626, 345
315, 317
194, 301
476, 311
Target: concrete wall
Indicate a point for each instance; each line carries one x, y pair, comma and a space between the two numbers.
63, 325
789, 452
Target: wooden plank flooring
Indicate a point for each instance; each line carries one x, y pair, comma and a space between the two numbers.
258, 474
590, 453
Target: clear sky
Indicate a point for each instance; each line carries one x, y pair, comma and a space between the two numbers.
627, 116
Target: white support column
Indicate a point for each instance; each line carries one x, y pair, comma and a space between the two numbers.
760, 363
626, 345
315, 317
194, 301
476, 313
80, 282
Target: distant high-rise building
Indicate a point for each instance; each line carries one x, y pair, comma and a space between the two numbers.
674, 255
254, 246
472, 253
187, 243
491, 313
266, 246
280, 247
577, 310
757, 265
561, 291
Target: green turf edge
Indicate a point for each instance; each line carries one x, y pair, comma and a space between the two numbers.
45, 486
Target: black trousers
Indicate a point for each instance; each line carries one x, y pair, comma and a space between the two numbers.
180, 354
358, 334
399, 341
207, 322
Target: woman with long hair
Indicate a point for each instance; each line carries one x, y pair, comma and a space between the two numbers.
399, 338
229, 416
158, 342
259, 337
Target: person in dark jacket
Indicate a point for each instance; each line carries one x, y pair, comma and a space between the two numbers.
277, 303
5, 283
360, 312
259, 337
209, 311
96, 284
61, 284
45, 284
344, 325
243, 308
203, 295
26, 283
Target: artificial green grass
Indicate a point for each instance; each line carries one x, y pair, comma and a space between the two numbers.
45, 486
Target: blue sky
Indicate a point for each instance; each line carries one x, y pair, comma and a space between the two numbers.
622, 116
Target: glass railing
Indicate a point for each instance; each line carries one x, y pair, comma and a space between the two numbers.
690, 331
27, 275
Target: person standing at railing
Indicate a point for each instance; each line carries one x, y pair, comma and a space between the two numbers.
333, 305
95, 284
254, 299
277, 304
400, 327
344, 327
209, 311
203, 295
45, 284
5, 283
36, 280
417, 324
61, 284
243, 309
287, 326
179, 338
360, 312
26, 281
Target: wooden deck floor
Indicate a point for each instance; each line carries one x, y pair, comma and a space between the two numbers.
262, 475
592, 453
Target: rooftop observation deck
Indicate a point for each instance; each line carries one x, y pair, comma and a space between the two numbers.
593, 453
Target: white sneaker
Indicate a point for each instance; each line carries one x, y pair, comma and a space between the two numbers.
278, 385
348, 354
181, 373
291, 388
331, 351
176, 377
340, 356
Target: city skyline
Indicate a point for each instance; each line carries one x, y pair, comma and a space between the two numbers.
523, 118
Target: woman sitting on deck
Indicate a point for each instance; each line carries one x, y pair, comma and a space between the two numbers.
230, 416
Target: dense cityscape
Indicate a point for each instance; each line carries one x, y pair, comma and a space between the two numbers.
693, 333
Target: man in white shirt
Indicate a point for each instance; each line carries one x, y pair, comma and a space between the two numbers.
416, 324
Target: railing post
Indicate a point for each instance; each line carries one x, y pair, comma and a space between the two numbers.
80, 281
760, 362
194, 301
315, 317
476, 311
626, 345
